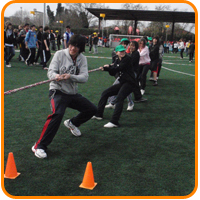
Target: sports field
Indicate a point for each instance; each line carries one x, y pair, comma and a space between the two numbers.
151, 154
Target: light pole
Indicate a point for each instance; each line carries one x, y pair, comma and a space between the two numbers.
44, 15
21, 14
167, 26
103, 16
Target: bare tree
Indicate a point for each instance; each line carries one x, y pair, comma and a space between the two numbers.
85, 17
126, 23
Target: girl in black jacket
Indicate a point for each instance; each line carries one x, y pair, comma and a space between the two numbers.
154, 55
127, 84
9, 43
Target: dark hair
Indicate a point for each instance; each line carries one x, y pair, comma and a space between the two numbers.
67, 26
9, 24
32, 26
26, 24
135, 43
40, 27
143, 40
78, 41
46, 28
157, 38
145, 37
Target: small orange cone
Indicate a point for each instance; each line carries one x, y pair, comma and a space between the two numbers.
88, 179
11, 170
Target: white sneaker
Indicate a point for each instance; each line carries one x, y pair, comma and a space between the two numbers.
142, 91
151, 78
110, 105
40, 153
130, 107
110, 125
9, 65
98, 118
74, 130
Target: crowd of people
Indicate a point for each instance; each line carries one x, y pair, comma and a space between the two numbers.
33, 45
181, 45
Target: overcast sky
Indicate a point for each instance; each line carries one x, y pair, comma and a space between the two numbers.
11, 9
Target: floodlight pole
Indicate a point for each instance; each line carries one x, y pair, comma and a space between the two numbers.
44, 15
103, 16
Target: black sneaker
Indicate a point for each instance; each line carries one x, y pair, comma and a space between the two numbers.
140, 100
155, 83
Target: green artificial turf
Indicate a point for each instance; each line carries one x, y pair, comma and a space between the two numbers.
151, 154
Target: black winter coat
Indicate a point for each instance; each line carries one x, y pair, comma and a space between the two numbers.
124, 68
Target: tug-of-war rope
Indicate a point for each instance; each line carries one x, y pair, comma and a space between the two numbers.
39, 83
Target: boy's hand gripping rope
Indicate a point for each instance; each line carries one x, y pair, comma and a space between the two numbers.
39, 83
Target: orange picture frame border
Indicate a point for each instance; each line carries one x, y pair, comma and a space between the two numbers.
100, 197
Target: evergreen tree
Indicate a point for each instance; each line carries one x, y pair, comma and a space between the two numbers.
50, 15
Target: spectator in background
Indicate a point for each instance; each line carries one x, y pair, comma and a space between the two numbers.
53, 40
58, 40
9, 44
167, 44
187, 47
45, 47
95, 43
39, 40
191, 51
154, 55
31, 44
175, 47
18, 41
24, 52
90, 43
15, 31
161, 53
105, 41
66, 36
181, 47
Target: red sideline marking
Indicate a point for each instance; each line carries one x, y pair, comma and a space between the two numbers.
49, 118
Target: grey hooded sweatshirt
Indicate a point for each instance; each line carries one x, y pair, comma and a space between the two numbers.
62, 63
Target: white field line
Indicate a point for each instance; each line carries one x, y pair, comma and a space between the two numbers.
169, 63
177, 71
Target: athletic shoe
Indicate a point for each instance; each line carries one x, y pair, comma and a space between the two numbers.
40, 153
45, 68
26, 63
9, 65
98, 118
110, 105
155, 83
31, 65
74, 130
36, 63
130, 107
151, 79
110, 125
140, 100
142, 91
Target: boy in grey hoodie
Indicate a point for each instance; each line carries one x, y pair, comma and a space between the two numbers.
68, 67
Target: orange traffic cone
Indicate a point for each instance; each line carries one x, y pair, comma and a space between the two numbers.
88, 179
11, 170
